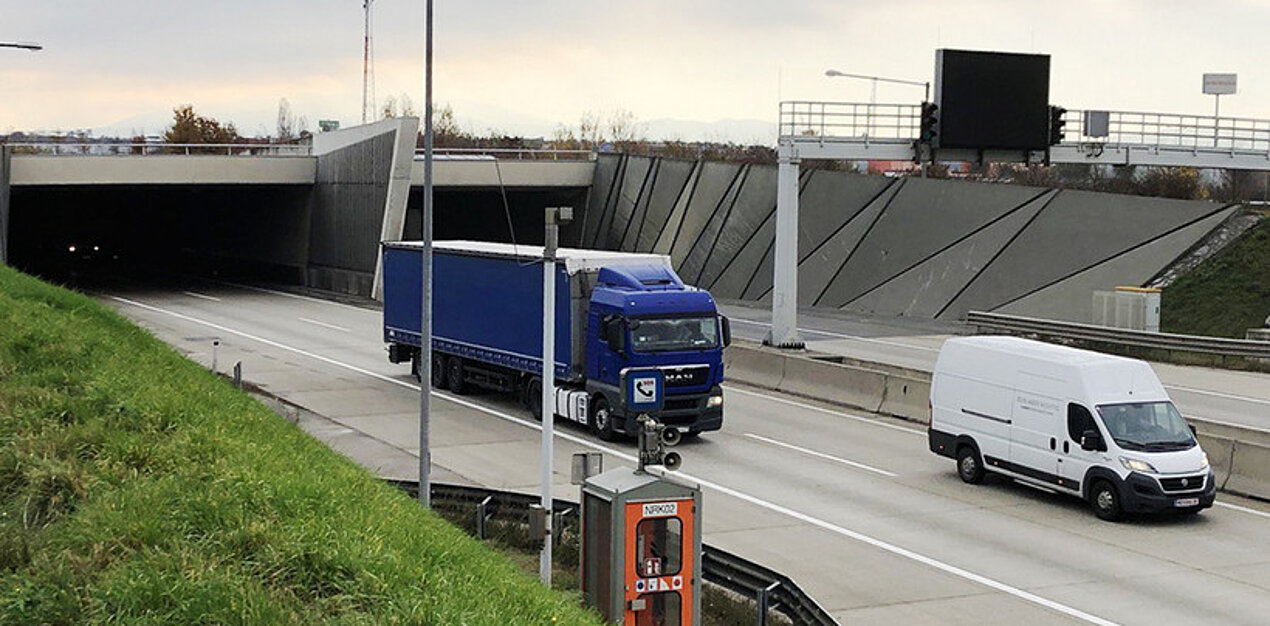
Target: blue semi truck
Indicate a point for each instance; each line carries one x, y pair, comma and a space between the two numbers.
615, 312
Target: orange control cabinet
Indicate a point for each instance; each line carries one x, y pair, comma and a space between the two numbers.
641, 547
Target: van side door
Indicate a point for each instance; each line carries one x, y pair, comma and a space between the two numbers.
1074, 461
1037, 420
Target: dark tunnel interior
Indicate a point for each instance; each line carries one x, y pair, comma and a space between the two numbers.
78, 234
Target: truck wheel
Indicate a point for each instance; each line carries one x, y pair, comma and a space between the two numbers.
533, 398
414, 368
454, 376
1105, 501
602, 419
969, 467
438, 371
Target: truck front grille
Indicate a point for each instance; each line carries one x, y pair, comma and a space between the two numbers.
690, 376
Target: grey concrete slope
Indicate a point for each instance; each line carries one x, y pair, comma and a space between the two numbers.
912, 247
1075, 232
925, 216
926, 287
1071, 298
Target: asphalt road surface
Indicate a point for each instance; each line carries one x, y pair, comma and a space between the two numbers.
852, 506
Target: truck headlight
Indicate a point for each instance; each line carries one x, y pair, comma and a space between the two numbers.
1136, 465
714, 401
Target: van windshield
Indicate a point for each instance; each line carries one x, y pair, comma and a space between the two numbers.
670, 334
1148, 426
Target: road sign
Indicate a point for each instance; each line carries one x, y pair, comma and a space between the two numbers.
1219, 84
643, 390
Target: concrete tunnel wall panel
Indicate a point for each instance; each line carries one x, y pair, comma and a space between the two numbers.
928, 287
1076, 231
606, 169
703, 247
666, 240
753, 206
823, 266
630, 187
672, 176
830, 199
639, 206
1071, 299
713, 183
924, 216
747, 264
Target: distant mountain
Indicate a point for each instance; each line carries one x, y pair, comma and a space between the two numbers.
744, 132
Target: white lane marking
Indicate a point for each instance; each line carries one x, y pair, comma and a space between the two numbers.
812, 407
877, 543
1244, 509
193, 294
1228, 396
822, 455
294, 296
826, 333
323, 324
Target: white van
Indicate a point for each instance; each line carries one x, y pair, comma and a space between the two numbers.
1092, 425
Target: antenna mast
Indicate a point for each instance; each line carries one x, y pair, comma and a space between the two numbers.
368, 67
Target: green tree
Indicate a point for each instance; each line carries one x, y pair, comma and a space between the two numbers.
188, 127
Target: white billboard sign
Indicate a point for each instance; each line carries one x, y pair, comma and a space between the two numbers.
1219, 84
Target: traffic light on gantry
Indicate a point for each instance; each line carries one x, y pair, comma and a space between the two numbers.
1056, 124
930, 123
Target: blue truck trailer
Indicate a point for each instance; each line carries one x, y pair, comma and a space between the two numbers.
615, 312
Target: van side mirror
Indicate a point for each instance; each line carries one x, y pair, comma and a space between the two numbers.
1090, 440
725, 327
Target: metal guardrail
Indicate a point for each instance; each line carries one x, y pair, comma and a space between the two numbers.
516, 154
771, 590
48, 148
1014, 324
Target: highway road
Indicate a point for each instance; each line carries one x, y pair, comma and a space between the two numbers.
852, 506
1219, 396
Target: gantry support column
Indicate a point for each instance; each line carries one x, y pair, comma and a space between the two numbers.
784, 333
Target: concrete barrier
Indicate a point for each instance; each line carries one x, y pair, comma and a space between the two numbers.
753, 365
907, 397
1249, 470
850, 386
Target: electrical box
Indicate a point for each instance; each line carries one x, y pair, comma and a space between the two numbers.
641, 549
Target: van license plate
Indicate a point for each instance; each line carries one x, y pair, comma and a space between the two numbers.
1185, 502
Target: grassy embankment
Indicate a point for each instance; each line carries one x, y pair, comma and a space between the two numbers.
1227, 294
136, 487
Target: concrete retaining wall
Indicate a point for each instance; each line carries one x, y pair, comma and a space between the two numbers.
897, 247
1240, 457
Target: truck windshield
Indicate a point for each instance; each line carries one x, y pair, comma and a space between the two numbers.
671, 334
1150, 426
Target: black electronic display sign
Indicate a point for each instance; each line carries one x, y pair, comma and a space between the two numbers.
992, 100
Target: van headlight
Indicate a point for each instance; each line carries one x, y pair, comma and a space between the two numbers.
714, 401
1203, 460
1137, 465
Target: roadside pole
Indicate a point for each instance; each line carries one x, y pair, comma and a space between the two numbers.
425, 310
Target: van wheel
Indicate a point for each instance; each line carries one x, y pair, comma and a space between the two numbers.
969, 467
454, 376
602, 419
533, 398
1105, 501
438, 371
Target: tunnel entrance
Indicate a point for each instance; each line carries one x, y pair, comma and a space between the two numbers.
479, 214
65, 233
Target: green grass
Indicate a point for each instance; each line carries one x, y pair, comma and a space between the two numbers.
1225, 295
135, 487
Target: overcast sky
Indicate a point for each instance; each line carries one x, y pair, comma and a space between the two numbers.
525, 66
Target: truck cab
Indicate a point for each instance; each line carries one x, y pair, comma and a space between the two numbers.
644, 316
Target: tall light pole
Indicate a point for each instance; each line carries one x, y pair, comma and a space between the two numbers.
21, 45
873, 91
425, 327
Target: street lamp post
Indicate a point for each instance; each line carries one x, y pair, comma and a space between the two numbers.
21, 45
873, 93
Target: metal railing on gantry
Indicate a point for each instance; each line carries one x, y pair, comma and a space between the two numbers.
852, 130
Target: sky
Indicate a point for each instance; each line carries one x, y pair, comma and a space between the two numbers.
528, 67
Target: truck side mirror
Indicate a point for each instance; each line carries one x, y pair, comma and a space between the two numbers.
1090, 440
726, 328
613, 334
